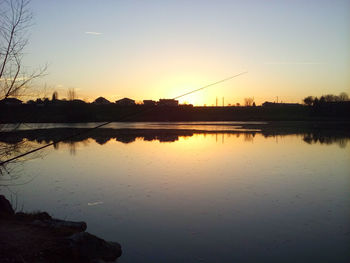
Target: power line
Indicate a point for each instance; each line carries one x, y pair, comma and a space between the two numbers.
212, 84
106, 123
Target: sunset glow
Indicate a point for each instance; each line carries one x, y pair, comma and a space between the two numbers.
161, 49
174, 131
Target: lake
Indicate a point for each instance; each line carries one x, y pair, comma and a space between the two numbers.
193, 192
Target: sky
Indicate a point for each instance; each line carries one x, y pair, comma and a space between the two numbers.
161, 49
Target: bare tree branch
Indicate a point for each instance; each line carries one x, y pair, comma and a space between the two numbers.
15, 20
248, 101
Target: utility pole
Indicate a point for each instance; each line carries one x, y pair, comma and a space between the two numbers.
216, 101
223, 101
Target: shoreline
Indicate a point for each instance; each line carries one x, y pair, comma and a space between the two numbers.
37, 237
87, 112
170, 132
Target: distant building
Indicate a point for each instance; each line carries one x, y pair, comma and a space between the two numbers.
188, 105
11, 101
125, 102
101, 100
274, 104
149, 102
77, 101
39, 102
168, 102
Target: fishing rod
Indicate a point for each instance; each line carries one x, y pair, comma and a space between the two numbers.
108, 122
212, 84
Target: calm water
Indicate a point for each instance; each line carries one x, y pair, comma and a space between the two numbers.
215, 197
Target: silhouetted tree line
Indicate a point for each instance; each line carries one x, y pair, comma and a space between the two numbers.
329, 98
327, 107
88, 112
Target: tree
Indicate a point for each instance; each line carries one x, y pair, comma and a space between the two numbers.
343, 96
71, 94
330, 98
15, 20
54, 96
309, 100
248, 101
322, 100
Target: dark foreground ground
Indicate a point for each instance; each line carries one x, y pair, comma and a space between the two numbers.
39, 238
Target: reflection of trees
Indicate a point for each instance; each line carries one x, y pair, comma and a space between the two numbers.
10, 172
101, 136
249, 137
73, 145
56, 146
20, 141
167, 138
126, 138
7, 151
342, 142
313, 138
72, 148
102, 141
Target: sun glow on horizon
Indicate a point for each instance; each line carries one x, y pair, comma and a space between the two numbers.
162, 49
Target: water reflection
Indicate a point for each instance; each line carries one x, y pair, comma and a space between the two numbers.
11, 147
314, 138
215, 196
44, 136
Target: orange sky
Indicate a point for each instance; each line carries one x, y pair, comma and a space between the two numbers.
161, 49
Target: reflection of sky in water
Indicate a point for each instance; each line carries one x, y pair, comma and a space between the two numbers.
205, 198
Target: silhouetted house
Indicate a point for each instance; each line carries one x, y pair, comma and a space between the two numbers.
101, 100
168, 102
125, 102
39, 102
186, 105
77, 101
58, 102
11, 101
274, 104
149, 102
